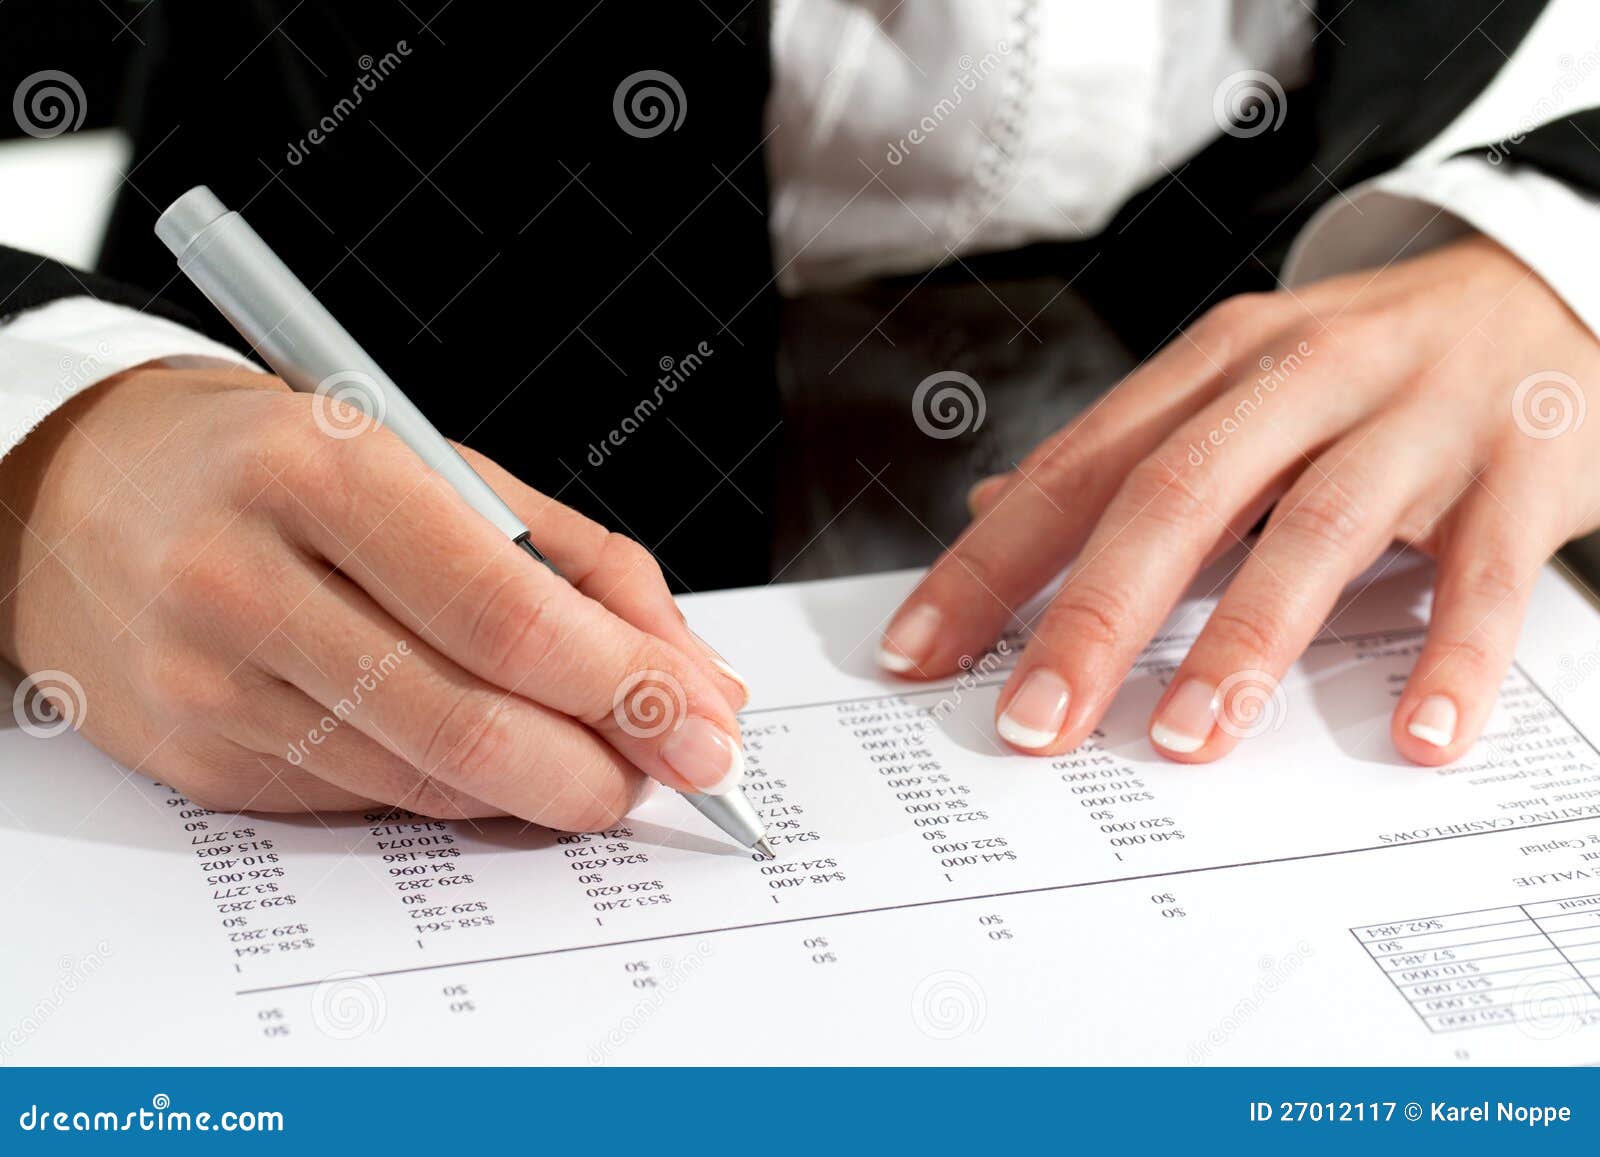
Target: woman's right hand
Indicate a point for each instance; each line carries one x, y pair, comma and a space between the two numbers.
244, 592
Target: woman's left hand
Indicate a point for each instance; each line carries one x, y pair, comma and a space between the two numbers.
1438, 401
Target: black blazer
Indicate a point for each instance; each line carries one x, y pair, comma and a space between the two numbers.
455, 182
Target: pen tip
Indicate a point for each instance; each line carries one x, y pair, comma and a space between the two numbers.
765, 848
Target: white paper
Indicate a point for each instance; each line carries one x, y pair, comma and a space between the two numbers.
1312, 898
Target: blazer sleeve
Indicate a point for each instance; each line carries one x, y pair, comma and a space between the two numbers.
28, 280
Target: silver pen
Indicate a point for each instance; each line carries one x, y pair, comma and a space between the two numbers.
240, 274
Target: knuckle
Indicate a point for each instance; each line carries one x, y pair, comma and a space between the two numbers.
1171, 492
198, 570
1474, 657
1063, 470
1491, 576
181, 686
1328, 517
211, 785
218, 579
514, 624
593, 799
651, 697
969, 566
1240, 631
623, 555
475, 739
1225, 327
1232, 312
428, 796
282, 455
1088, 612
1360, 331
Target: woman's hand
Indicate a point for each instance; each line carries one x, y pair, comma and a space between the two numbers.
1438, 401
252, 596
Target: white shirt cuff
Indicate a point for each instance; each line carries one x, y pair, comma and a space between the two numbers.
53, 352
1551, 228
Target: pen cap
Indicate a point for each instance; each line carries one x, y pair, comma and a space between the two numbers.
289, 329
187, 217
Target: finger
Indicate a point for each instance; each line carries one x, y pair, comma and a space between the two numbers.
613, 569
1328, 528
1497, 540
1154, 535
419, 552
984, 493
466, 738
1039, 519
305, 737
230, 778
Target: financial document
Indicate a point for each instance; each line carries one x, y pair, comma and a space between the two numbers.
934, 898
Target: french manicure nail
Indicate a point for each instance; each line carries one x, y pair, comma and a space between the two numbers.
720, 663
705, 755
1036, 712
1186, 721
1434, 721
909, 639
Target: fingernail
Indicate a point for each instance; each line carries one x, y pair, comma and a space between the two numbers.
909, 639
705, 755
1434, 721
982, 491
1036, 712
1186, 721
720, 663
